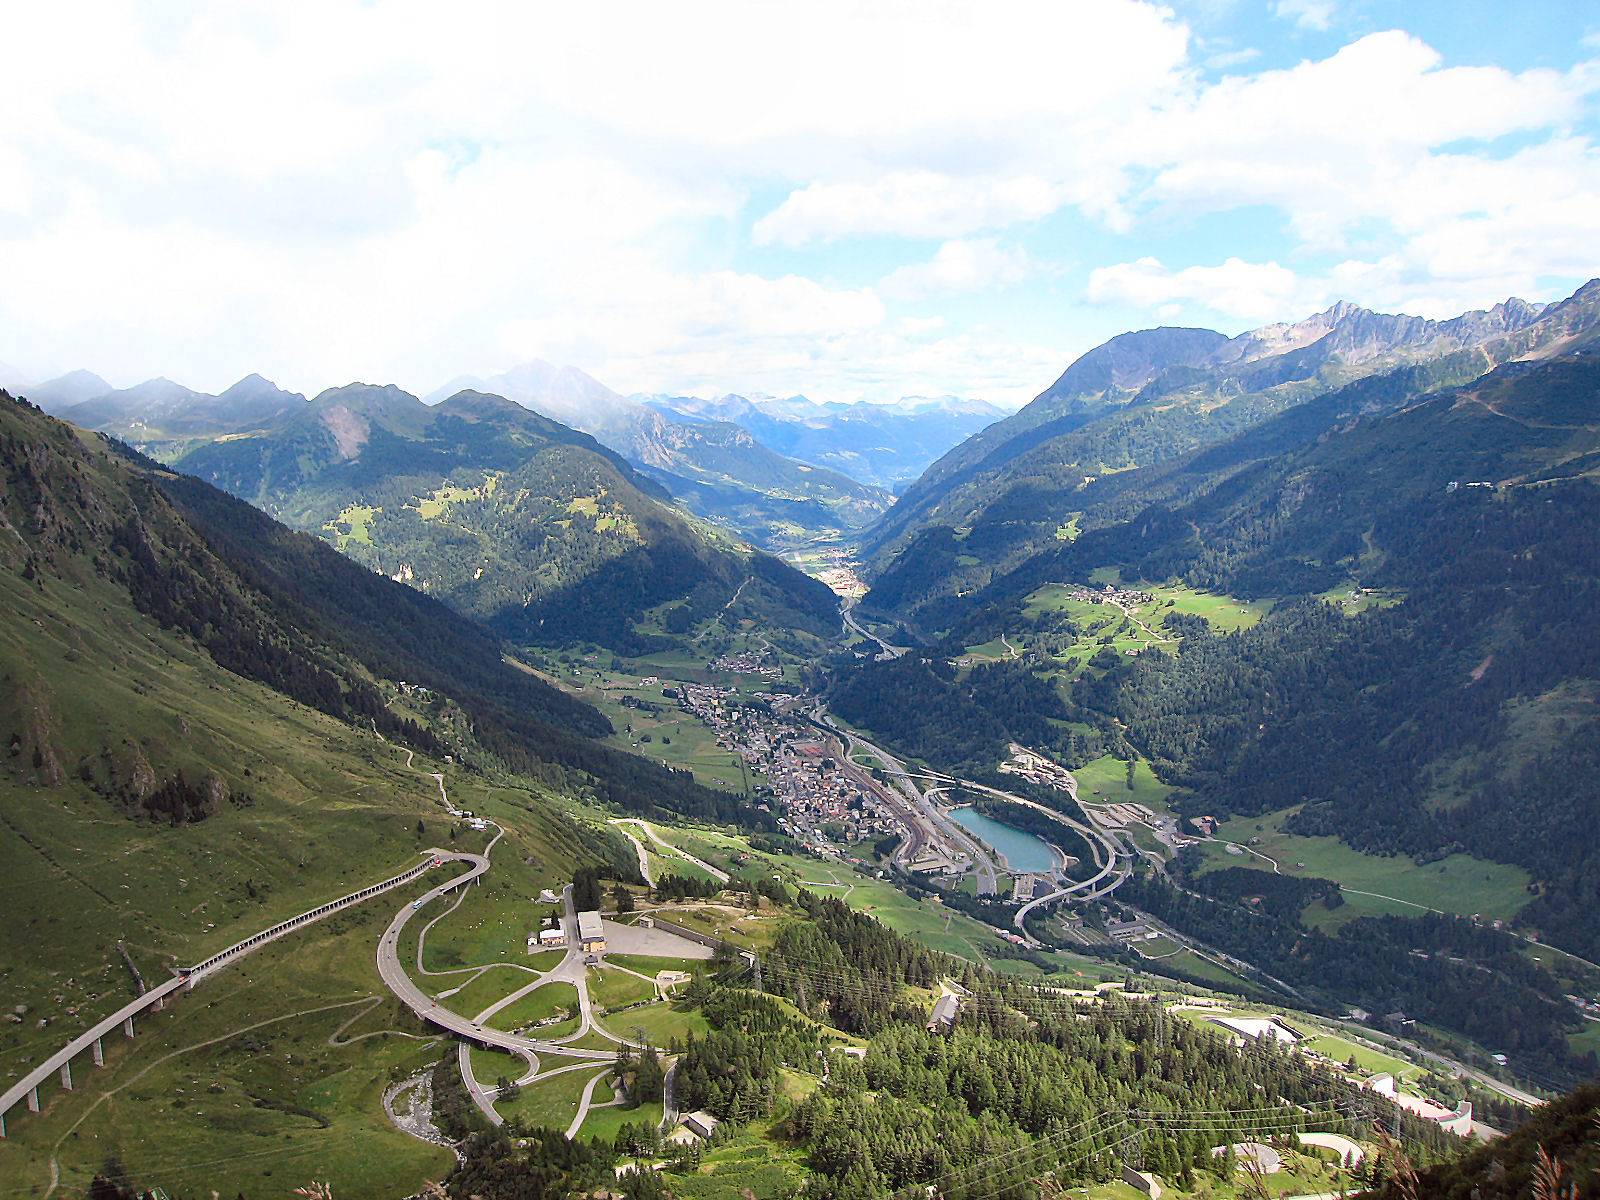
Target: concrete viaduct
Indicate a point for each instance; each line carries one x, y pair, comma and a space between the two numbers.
60, 1063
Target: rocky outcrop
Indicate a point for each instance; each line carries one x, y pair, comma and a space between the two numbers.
32, 746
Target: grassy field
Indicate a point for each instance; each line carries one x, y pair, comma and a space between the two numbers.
1586, 1040
1138, 630
613, 989
489, 1066
1105, 780
668, 735
932, 924
660, 1023
647, 964
323, 810
758, 1159
495, 916
1342, 1050
1191, 963
544, 1001
603, 1123
670, 862
1457, 884
552, 1102
494, 984
266, 1076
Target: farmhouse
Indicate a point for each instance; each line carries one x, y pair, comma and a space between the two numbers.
548, 938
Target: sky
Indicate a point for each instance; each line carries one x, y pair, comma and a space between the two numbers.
853, 202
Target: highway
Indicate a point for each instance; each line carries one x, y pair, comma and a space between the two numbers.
886, 652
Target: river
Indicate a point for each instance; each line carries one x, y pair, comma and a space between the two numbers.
1022, 851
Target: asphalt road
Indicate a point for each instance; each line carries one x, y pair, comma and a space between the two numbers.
430, 1010
885, 650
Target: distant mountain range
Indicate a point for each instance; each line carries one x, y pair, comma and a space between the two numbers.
715, 468
887, 445
779, 473
1146, 397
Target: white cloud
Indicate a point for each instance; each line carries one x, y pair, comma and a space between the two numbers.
1221, 60
960, 266
362, 189
1308, 14
1336, 141
1252, 291
916, 204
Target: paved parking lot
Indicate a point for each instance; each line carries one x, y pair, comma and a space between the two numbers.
630, 939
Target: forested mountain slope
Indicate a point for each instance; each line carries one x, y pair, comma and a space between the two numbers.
509, 517
1146, 398
286, 611
1458, 712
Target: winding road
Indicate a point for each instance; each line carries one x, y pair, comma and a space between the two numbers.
718, 875
886, 652
430, 1010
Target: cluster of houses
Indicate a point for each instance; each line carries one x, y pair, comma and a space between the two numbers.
552, 935
811, 787
747, 664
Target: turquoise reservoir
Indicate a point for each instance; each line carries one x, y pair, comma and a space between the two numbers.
1022, 851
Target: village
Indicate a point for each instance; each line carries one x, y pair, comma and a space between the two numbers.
823, 801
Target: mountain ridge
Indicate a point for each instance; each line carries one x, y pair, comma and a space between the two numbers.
1193, 390
535, 528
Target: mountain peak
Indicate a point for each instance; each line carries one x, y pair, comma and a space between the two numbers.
64, 391
251, 384
1129, 361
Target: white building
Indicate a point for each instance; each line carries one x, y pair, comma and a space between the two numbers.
591, 933
700, 1123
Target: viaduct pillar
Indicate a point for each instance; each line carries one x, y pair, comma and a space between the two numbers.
127, 1028
33, 1100
66, 1075
99, 1053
